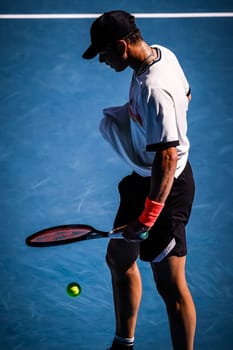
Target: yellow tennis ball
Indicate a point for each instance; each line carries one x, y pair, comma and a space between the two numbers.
73, 289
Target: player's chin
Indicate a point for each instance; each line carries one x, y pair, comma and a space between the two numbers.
120, 68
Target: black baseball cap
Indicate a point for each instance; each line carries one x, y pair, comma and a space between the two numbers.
108, 28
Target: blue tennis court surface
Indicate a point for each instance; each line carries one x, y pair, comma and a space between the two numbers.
56, 169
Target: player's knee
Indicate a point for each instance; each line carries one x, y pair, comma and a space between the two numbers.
165, 291
172, 293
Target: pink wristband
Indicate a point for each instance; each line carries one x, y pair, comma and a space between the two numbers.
151, 212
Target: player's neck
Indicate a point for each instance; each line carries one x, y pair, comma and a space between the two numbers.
141, 56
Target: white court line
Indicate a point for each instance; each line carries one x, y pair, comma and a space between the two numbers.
137, 15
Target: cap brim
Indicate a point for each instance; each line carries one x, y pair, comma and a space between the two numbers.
90, 53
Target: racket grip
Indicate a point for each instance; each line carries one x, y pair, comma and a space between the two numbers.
117, 233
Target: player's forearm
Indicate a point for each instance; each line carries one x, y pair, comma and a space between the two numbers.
163, 172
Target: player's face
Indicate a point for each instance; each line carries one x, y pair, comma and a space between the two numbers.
112, 57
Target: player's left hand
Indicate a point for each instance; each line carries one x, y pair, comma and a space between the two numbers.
135, 232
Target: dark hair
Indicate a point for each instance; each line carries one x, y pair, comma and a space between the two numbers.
133, 37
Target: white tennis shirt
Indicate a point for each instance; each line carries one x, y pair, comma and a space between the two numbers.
155, 117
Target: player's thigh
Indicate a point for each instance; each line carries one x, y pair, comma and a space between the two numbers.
169, 276
121, 255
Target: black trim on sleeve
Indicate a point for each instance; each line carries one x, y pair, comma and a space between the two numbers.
154, 147
188, 93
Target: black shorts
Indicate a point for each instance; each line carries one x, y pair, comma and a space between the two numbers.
170, 224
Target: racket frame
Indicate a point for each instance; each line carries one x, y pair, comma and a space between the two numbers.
36, 239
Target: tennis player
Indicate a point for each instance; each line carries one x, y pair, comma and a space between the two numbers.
149, 133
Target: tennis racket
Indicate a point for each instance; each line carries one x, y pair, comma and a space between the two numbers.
64, 234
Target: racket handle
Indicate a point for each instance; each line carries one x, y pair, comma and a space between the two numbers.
117, 232
141, 235
116, 235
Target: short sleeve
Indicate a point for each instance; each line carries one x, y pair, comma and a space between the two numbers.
161, 128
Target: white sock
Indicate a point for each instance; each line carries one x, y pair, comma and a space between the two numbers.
126, 341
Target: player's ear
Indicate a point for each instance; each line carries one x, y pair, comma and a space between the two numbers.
122, 47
